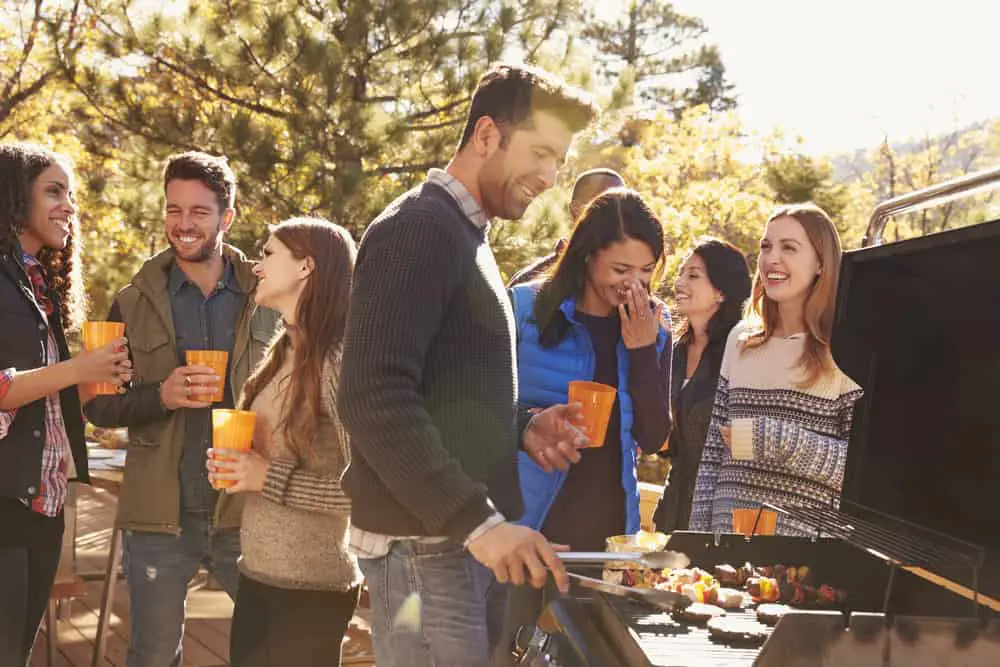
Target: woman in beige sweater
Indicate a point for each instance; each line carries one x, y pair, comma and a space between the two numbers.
299, 585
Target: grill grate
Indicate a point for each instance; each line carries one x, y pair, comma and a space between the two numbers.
669, 643
925, 552
890, 539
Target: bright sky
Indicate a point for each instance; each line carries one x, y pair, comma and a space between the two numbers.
843, 73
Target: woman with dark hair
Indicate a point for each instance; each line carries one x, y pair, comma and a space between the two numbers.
41, 424
298, 585
594, 319
783, 410
711, 287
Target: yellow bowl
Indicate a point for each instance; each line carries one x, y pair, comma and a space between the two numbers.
642, 542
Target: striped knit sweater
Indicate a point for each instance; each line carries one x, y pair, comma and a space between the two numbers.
789, 443
294, 533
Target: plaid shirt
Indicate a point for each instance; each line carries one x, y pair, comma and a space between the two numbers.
56, 454
365, 544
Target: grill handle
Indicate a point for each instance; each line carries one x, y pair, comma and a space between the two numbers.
934, 195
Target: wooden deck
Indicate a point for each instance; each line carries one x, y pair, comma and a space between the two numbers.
206, 633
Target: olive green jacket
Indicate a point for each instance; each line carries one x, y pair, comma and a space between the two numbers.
150, 494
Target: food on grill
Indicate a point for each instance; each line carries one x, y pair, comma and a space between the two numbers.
770, 614
733, 587
698, 613
634, 577
763, 589
730, 598
700, 591
733, 629
685, 576
727, 575
695, 584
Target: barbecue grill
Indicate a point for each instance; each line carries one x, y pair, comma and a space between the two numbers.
915, 540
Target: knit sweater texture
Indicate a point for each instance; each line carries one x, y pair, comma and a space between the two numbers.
429, 384
294, 533
790, 442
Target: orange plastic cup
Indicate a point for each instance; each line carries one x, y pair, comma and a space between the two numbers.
99, 334
231, 429
744, 520
597, 400
216, 360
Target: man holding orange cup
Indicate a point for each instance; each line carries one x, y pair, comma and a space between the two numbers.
195, 335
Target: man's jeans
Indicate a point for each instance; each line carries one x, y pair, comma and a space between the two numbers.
444, 624
158, 568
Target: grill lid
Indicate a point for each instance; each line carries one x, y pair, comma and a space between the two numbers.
917, 326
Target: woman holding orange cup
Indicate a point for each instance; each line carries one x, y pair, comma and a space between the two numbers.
781, 420
298, 584
41, 426
592, 335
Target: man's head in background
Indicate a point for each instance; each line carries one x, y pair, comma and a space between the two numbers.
589, 185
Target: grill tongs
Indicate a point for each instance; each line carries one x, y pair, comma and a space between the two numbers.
656, 560
666, 600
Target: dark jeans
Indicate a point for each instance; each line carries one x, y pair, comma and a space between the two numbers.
441, 591
274, 627
29, 556
158, 568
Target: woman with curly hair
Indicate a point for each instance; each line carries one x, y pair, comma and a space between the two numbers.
41, 424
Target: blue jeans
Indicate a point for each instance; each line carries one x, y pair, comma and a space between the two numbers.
158, 569
445, 624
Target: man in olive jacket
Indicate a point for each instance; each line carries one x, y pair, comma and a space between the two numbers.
198, 294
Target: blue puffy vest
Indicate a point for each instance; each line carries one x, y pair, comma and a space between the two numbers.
543, 380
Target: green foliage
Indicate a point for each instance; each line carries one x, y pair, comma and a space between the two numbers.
334, 109
796, 178
892, 170
650, 50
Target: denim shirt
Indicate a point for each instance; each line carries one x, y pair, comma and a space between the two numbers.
202, 323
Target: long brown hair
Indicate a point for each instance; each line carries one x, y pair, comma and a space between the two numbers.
320, 318
20, 165
762, 313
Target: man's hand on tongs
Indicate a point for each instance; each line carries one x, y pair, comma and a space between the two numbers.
553, 437
509, 549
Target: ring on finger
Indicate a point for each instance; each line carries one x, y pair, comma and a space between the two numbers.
187, 380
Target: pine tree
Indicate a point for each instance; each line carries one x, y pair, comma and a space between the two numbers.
652, 52
324, 108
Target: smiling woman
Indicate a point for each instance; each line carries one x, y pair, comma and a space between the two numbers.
594, 319
41, 426
299, 585
782, 414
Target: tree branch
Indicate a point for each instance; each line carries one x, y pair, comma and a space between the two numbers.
404, 168
15, 77
437, 110
204, 85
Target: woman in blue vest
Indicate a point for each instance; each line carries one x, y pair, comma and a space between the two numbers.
593, 319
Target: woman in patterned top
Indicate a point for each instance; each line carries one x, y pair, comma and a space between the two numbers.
782, 415
298, 583
41, 425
